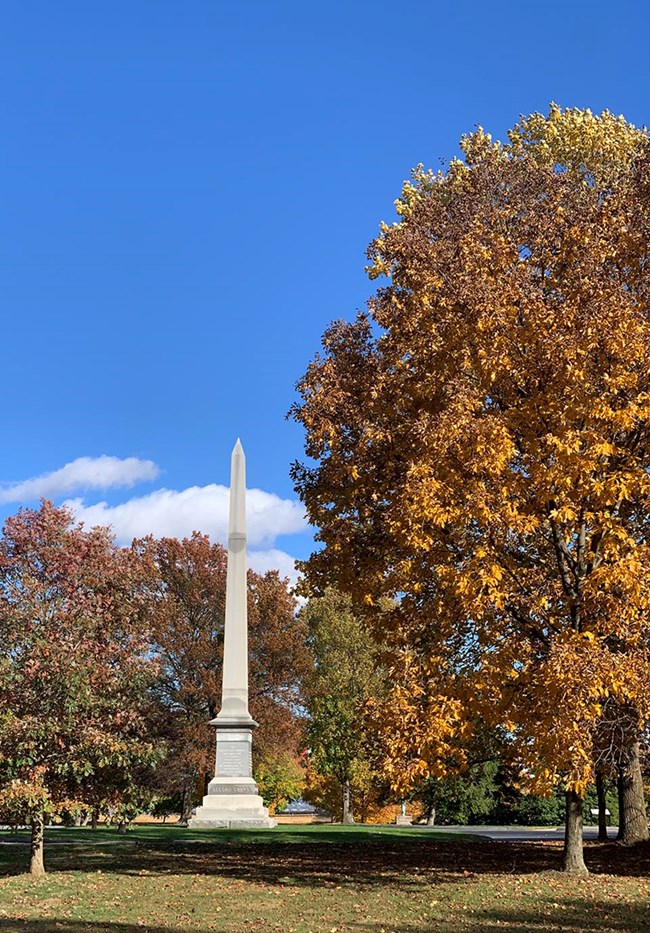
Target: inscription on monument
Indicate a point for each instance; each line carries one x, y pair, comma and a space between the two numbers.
233, 759
231, 788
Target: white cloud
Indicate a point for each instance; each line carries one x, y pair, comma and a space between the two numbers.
167, 512
174, 513
82, 473
273, 559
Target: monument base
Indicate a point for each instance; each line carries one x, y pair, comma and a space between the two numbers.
232, 804
212, 820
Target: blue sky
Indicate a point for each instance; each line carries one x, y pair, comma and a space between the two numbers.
187, 192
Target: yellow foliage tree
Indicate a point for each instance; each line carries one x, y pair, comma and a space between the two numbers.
344, 678
482, 444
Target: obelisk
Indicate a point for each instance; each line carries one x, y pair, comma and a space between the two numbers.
232, 799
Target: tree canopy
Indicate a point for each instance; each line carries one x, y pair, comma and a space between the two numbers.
482, 438
343, 680
74, 672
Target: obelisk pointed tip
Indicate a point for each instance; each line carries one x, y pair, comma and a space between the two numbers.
237, 524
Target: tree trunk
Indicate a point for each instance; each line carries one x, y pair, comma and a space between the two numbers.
186, 808
37, 845
573, 861
348, 814
621, 805
95, 818
602, 806
77, 819
121, 827
633, 821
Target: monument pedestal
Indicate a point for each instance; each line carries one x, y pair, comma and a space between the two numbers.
232, 801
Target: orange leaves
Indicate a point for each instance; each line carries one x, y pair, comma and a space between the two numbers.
488, 429
19, 798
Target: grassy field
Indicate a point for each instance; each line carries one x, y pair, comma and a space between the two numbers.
323, 879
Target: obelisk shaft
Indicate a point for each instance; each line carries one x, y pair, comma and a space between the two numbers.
234, 695
233, 799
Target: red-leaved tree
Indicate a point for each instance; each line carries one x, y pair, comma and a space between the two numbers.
74, 671
187, 590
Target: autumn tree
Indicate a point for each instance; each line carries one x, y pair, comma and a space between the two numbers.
481, 438
74, 675
344, 678
187, 590
280, 777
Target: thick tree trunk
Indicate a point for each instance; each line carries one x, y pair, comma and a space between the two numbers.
633, 822
37, 845
95, 818
602, 806
348, 813
573, 861
121, 827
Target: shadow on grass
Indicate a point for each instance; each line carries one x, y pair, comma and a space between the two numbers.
402, 866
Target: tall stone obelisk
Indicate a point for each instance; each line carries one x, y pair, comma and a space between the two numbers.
232, 799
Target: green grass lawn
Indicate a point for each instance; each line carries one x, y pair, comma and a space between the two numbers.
285, 834
316, 878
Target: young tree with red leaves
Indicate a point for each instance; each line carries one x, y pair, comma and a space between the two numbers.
74, 673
